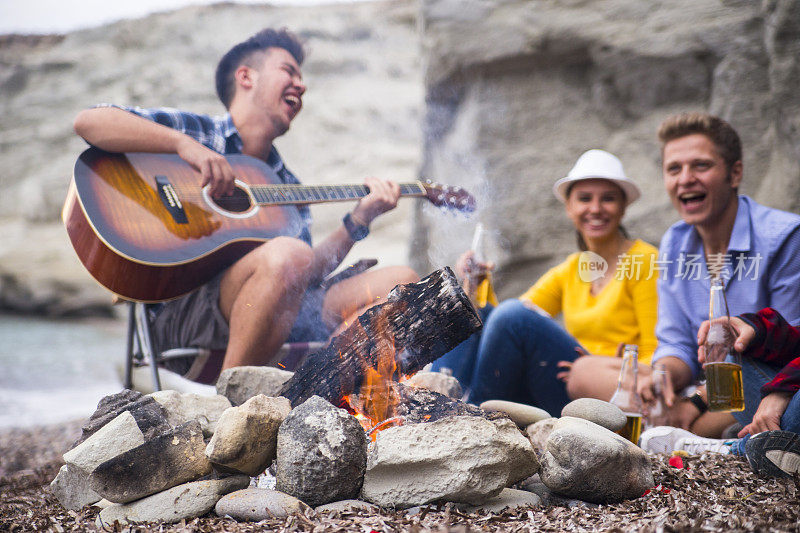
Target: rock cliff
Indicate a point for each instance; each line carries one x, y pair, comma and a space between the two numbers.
503, 98
361, 117
516, 90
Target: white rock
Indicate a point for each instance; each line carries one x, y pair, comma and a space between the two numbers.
601, 413
539, 432
259, 504
523, 415
185, 501
102, 504
182, 408
461, 459
71, 487
118, 436
344, 506
508, 498
437, 382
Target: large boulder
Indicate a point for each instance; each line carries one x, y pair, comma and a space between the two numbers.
466, 459
322, 453
586, 461
158, 464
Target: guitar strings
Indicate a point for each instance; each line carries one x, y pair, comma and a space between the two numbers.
293, 193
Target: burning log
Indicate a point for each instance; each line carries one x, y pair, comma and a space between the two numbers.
418, 323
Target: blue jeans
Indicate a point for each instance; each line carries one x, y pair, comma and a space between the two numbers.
754, 375
460, 361
514, 358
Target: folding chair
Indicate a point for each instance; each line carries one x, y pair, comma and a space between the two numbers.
142, 352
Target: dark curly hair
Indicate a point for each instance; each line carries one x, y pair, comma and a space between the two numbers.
242, 52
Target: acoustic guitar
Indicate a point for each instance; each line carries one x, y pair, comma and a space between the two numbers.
147, 231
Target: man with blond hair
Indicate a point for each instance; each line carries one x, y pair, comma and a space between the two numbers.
753, 248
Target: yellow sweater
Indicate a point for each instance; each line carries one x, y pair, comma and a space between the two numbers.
624, 311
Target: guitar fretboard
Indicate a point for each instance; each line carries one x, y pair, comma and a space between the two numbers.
298, 194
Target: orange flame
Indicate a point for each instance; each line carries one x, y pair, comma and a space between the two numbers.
375, 404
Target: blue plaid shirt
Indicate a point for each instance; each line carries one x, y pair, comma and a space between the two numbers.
220, 135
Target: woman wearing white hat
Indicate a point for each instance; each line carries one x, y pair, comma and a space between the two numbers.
523, 355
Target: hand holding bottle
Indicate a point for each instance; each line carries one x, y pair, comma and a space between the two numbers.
476, 271
472, 272
743, 332
721, 363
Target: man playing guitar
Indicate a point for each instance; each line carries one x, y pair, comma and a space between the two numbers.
273, 293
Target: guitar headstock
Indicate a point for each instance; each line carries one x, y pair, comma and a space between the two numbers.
449, 197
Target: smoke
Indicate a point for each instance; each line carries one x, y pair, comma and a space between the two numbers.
451, 233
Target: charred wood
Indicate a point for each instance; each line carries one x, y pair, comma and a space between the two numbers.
422, 321
421, 405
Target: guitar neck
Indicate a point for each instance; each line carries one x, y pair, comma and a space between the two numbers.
314, 194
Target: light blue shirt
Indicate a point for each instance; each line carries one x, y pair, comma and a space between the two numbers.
762, 269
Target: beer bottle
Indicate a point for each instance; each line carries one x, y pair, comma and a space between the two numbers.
723, 366
626, 397
484, 292
657, 414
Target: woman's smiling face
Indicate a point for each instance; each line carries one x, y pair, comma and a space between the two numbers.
596, 207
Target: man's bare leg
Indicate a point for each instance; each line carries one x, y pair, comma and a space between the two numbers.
347, 299
260, 296
712, 424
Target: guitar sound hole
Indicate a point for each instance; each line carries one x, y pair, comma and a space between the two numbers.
238, 202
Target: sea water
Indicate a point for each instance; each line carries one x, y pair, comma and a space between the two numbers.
57, 370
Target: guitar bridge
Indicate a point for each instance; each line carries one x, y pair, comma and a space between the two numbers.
169, 197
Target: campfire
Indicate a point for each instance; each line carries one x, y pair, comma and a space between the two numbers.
359, 370
321, 453
375, 404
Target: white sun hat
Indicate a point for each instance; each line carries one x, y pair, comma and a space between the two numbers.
594, 164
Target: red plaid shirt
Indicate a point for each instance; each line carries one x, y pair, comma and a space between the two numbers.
776, 343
